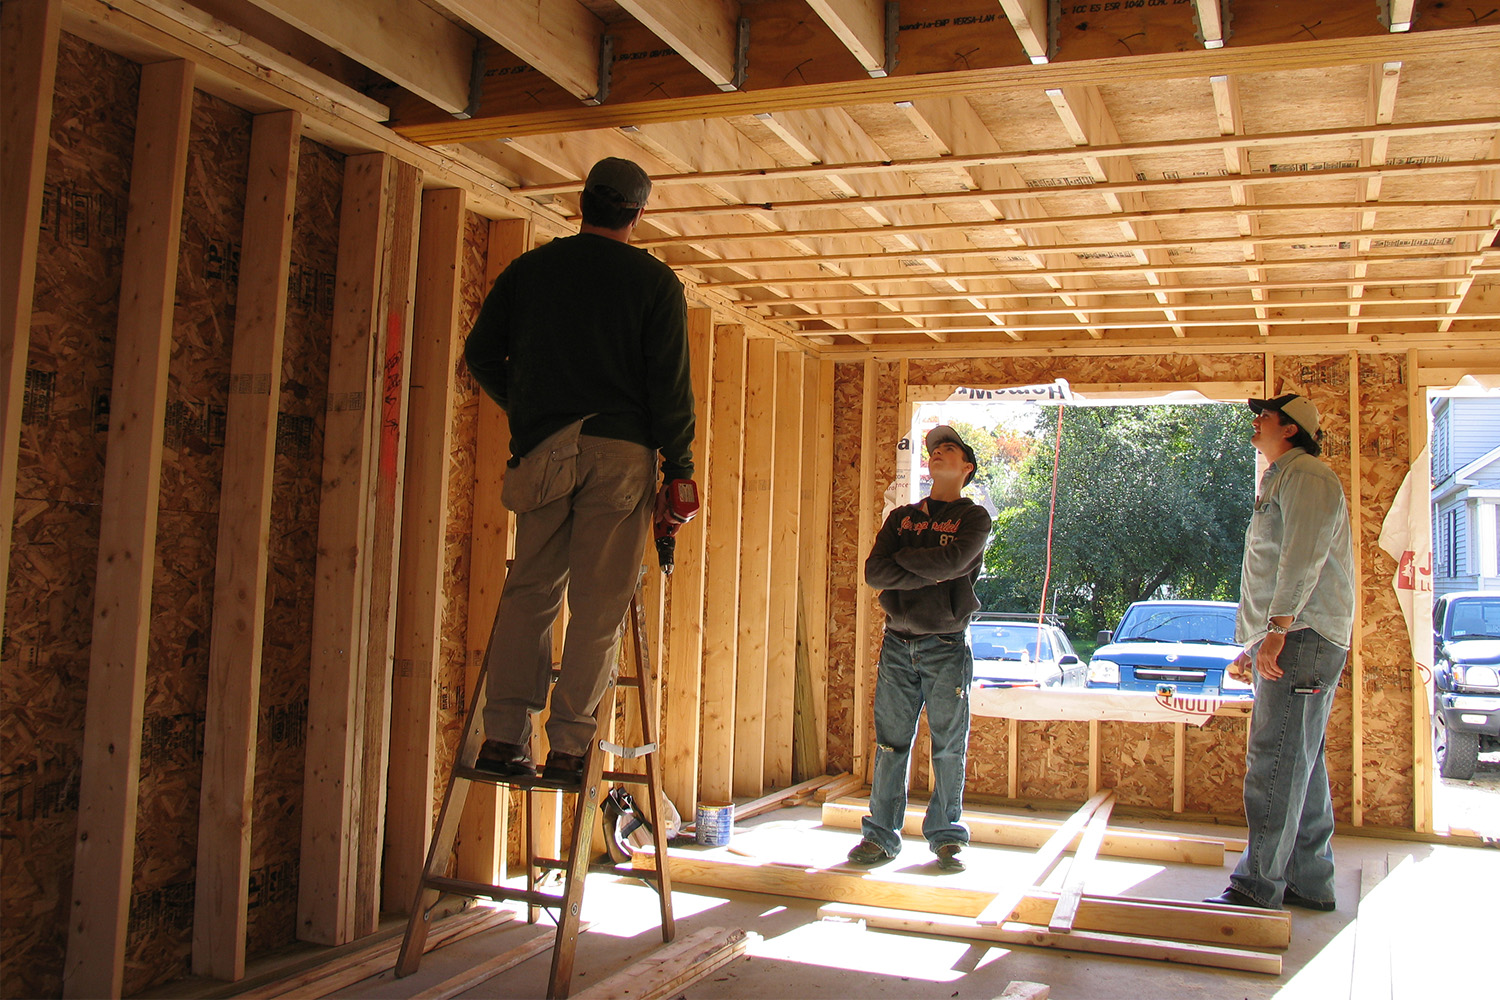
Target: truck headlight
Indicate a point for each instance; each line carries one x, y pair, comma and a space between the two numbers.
1474, 676
1104, 671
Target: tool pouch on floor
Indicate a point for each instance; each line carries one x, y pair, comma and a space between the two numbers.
546, 473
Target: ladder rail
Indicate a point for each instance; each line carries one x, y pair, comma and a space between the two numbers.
577, 862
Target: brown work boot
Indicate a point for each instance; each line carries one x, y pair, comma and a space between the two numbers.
867, 852
948, 859
507, 760
564, 768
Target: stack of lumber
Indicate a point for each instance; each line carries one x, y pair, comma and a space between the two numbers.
673, 967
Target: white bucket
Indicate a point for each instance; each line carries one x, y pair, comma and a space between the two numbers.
715, 823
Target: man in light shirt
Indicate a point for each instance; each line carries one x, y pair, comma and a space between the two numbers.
1296, 617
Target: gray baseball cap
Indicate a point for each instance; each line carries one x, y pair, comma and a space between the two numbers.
621, 182
943, 432
1299, 409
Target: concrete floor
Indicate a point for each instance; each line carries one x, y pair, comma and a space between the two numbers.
1470, 805
1420, 921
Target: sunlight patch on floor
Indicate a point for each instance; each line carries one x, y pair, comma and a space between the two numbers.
841, 945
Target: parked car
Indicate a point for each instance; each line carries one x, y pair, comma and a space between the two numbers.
1185, 646
1017, 651
1466, 679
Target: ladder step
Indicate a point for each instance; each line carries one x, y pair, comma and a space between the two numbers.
626, 776
500, 893
538, 783
623, 869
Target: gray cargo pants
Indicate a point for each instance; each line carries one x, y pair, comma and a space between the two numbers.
583, 505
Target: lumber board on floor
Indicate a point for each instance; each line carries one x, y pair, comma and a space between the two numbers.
1046, 858
1020, 990
1371, 975
781, 797
1087, 851
377, 957
672, 967
1130, 946
841, 785
490, 968
1179, 919
1011, 831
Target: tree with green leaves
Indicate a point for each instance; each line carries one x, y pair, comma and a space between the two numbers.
1152, 501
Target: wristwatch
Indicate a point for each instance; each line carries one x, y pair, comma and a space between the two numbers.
1273, 629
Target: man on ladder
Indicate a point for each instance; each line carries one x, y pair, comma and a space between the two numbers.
583, 343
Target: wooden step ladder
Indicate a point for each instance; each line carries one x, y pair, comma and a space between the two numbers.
575, 864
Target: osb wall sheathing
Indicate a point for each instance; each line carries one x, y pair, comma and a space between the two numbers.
49, 604
453, 695
159, 935
1138, 759
281, 736
1384, 431
846, 565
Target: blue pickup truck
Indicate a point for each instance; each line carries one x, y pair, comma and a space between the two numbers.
1186, 646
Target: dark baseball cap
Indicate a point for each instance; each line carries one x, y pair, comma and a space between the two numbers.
943, 432
620, 182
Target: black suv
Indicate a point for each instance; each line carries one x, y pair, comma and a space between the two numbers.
1466, 679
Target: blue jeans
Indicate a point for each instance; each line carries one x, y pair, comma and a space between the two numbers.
931, 670
1287, 804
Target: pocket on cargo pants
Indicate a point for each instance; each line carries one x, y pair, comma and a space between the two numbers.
546, 473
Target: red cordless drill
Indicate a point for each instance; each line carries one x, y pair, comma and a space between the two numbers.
676, 503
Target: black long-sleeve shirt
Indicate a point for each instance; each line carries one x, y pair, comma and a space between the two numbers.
588, 325
925, 561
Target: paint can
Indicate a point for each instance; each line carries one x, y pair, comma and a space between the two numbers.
715, 822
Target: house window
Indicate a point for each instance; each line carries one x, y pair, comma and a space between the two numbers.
1450, 541
1440, 448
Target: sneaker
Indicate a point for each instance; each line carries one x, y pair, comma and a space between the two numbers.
563, 768
508, 760
867, 852
948, 859
1290, 898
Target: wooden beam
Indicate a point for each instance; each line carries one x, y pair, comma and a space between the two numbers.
1142, 215
1028, 19
860, 25
423, 594
868, 508
1087, 851
1127, 945
756, 520
684, 681
1052, 250
104, 850
704, 32
409, 44
828, 167
1151, 346
325, 889
29, 31
1421, 704
383, 538
986, 295
1046, 858
1116, 310
1278, 58
817, 501
1168, 918
1356, 647
986, 828
291, 64
1210, 23
721, 629
484, 828
235, 643
558, 38
786, 520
